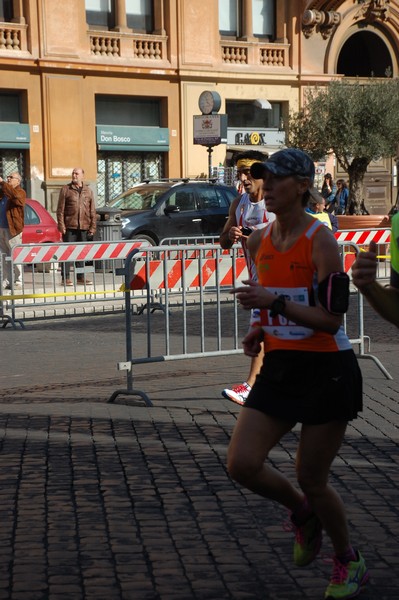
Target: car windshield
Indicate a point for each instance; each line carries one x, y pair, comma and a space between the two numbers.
138, 199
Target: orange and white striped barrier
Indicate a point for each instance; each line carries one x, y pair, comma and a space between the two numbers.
189, 273
81, 251
180, 268
364, 237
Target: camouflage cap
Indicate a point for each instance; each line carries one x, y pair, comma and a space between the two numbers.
286, 163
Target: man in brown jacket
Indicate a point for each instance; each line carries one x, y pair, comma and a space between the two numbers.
76, 217
12, 204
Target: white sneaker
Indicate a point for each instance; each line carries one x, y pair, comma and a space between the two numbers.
17, 284
238, 394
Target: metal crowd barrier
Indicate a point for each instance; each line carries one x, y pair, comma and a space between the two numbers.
362, 239
212, 326
42, 292
43, 295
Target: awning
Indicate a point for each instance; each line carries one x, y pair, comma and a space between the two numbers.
132, 139
14, 135
263, 103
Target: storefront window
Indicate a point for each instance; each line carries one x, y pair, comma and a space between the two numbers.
139, 14
117, 172
100, 13
247, 114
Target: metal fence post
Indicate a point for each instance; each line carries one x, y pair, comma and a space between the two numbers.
127, 365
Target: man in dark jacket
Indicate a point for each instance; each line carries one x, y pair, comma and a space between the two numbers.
76, 217
12, 204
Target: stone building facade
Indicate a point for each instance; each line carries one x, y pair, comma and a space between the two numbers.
113, 85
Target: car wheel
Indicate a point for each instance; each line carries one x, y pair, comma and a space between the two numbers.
144, 237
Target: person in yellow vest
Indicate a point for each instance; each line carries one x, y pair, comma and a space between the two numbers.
317, 208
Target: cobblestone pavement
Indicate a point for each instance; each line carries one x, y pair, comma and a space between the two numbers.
125, 502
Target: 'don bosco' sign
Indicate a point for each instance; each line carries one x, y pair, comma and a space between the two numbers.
250, 139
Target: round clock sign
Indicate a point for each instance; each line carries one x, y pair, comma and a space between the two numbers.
209, 102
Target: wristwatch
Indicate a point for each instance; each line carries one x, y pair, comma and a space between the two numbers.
278, 306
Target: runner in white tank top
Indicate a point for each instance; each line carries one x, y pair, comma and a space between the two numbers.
251, 215
247, 213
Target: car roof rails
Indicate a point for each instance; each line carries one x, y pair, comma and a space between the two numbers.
165, 180
181, 180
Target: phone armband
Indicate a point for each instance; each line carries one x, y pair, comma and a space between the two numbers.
333, 293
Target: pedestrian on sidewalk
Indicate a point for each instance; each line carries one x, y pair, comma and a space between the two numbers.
309, 375
76, 217
247, 213
12, 220
328, 189
317, 208
385, 300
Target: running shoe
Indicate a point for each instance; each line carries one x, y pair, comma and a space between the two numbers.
17, 284
308, 539
348, 579
238, 393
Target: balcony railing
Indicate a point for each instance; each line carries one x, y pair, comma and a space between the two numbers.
128, 46
255, 54
13, 37
101, 45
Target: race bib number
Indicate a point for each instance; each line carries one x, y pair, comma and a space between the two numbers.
279, 326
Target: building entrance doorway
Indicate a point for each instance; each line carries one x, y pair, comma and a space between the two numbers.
365, 54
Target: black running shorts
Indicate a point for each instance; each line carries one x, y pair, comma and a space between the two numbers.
308, 387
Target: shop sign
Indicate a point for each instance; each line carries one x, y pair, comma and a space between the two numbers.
110, 137
250, 139
260, 137
14, 135
210, 130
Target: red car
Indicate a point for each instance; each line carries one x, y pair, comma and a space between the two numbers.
40, 227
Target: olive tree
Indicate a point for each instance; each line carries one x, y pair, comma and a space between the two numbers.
358, 121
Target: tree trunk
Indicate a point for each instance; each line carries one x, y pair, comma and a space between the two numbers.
356, 172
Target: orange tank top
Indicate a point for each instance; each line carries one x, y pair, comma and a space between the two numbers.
293, 274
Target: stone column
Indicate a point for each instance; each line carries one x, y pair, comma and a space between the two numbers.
18, 12
159, 17
120, 16
247, 24
281, 21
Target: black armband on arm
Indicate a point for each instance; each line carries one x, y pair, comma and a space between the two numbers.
333, 293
